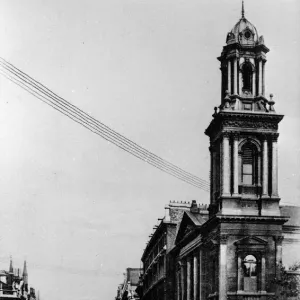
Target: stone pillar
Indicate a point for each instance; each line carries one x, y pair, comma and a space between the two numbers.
260, 81
222, 268
240, 82
183, 280
195, 277
178, 283
265, 177
235, 164
188, 278
200, 285
211, 174
240, 273
229, 76
225, 166
274, 166
235, 77
254, 84
263, 273
263, 77
278, 248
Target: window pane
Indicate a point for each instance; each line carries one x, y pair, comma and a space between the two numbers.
247, 179
247, 169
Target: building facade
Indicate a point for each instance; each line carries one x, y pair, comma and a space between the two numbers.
14, 285
236, 248
159, 265
239, 251
127, 290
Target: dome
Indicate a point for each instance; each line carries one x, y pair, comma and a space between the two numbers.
243, 32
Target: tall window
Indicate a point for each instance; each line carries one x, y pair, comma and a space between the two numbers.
247, 76
249, 162
250, 273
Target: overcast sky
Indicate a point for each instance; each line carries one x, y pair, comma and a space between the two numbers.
78, 208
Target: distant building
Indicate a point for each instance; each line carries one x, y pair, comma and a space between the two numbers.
127, 290
13, 285
159, 266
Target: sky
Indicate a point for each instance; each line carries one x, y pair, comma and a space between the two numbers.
78, 208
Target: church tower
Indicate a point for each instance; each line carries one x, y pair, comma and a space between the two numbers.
243, 236
243, 133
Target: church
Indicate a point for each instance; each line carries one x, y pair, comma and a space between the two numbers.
237, 249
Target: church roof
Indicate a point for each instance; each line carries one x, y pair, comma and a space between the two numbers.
244, 33
243, 25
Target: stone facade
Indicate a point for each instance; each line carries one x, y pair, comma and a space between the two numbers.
159, 265
239, 251
235, 248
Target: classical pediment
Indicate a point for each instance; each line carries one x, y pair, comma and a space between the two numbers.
188, 225
250, 240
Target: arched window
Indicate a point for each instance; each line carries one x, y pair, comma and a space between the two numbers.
249, 164
247, 76
250, 266
250, 273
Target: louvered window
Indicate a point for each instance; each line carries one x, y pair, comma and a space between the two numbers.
248, 164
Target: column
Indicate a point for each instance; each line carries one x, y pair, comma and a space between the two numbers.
188, 278
222, 268
260, 77
213, 172
229, 76
274, 166
195, 277
265, 167
254, 84
225, 166
240, 270
278, 248
182, 278
235, 164
178, 282
263, 77
235, 78
200, 285
263, 273
240, 82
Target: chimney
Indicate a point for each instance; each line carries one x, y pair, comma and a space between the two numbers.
167, 214
11, 269
194, 207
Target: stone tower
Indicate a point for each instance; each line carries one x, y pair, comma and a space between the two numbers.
243, 133
243, 236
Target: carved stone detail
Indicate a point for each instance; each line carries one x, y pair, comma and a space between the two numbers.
250, 124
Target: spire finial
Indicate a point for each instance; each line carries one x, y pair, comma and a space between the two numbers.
243, 10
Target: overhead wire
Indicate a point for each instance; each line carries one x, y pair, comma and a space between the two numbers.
148, 154
49, 97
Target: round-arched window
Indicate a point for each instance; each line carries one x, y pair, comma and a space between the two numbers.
247, 76
250, 266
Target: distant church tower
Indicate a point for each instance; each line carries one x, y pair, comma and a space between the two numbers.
245, 226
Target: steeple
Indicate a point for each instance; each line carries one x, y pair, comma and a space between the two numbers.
243, 133
243, 10
25, 273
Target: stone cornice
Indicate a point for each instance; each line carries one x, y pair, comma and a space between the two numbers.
217, 219
257, 50
243, 121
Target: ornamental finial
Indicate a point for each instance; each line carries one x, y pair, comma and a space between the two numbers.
243, 10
